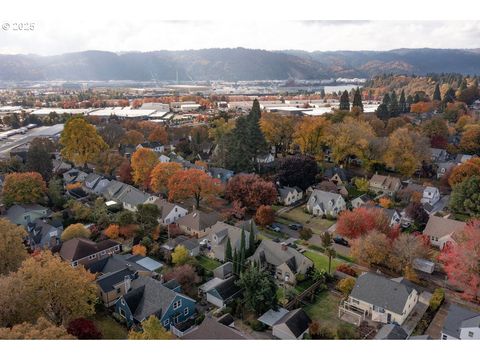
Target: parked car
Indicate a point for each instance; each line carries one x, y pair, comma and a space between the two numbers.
295, 226
274, 227
340, 241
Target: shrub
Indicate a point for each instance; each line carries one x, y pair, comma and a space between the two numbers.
199, 319
437, 299
256, 325
345, 286
84, 329
347, 269
300, 277
345, 332
306, 233
320, 332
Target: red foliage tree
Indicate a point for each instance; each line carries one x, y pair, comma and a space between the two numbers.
251, 190
186, 277
125, 172
461, 261
359, 222
84, 329
265, 215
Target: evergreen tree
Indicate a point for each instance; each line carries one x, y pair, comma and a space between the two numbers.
402, 103
449, 96
228, 251
242, 251
382, 112
393, 107
357, 99
235, 263
344, 101
251, 239
409, 102
322, 93
386, 99
436, 93
416, 98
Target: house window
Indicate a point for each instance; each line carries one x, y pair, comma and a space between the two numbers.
122, 313
166, 322
75, 263
176, 319
118, 290
117, 248
91, 257
122, 301
177, 304
104, 252
444, 337
186, 311
356, 302
470, 334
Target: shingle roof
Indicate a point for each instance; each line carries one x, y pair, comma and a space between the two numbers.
296, 320
115, 263
439, 227
226, 290
108, 281
382, 292
458, 317
391, 332
210, 329
79, 248
198, 220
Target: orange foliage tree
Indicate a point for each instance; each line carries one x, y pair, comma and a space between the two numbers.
421, 107
133, 137
159, 134
139, 250
112, 231
194, 183
143, 162
161, 174
265, 215
464, 171
24, 188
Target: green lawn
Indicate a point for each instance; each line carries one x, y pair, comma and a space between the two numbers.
110, 328
208, 263
317, 224
325, 310
320, 261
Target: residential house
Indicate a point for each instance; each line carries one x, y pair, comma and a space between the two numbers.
27, 213
461, 324
380, 299
393, 216
224, 292
197, 223
430, 195
83, 251
164, 158
283, 261
43, 235
147, 297
438, 155
444, 167
127, 195
267, 158
337, 175
462, 158
192, 245
220, 173
381, 184
73, 176
360, 201
60, 166
224, 271
221, 233
292, 326
442, 230
211, 329
289, 195
152, 145
113, 285
323, 203
95, 184
169, 212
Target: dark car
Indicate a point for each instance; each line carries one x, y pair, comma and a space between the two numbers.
340, 241
295, 226
274, 227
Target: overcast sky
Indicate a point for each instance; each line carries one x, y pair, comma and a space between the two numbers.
55, 34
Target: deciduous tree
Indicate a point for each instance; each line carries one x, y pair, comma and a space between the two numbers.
12, 249
310, 134
152, 329
298, 170
470, 141
359, 222
139, 250
41, 330
186, 277
84, 329
133, 137
278, 130
23, 188
372, 248
39, 157
161, 174
81, 142
159, 134
251, 190
464, 171
465, 197
143, 162
265, 215
194, 183
74, 231
180, 256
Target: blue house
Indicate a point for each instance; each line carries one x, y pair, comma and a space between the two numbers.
148, 297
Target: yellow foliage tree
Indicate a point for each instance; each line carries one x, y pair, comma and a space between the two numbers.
143, 162
180, 255
139, 250
74, 231
12, 250
152, 329
310, 134
41, 330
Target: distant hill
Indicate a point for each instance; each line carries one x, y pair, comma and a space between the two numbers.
234, 64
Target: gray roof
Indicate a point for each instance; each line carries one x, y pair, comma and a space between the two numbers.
296, 320
225, 290
285, 190
459, 317
271, 317
322, 198
198, 220
148, 297
108, 281
382, 292
391, 332
210, 329
125, 193
115, 263
17, 211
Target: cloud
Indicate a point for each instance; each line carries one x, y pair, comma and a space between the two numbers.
140, 31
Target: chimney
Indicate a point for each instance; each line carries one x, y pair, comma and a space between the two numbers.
127, 283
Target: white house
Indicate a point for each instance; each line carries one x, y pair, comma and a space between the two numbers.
380, 299
431, 195
442, 230
461, 324
169, 212
289, 195
323, 203
153, 145
164, 158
